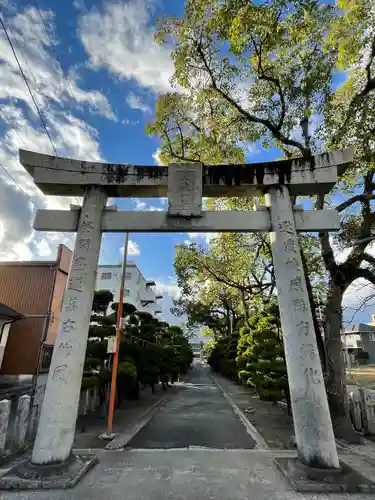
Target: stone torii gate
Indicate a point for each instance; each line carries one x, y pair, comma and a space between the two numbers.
185, 185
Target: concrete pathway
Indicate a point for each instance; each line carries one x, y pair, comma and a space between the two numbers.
198, 415
181, 475
223, 468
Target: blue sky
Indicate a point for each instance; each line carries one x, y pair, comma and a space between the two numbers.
113, 73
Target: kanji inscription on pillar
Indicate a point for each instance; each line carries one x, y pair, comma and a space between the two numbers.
313, 429
61, 399
185, 190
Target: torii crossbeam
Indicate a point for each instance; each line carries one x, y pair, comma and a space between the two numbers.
185, 185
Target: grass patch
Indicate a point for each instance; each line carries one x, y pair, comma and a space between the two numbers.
363, 376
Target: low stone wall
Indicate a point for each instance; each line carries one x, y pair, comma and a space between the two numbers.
90, 400
362, 410
19, 419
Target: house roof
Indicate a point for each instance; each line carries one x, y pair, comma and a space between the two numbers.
9, 313
361, 327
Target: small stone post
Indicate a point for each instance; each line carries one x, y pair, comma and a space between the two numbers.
34, 415
312, 421
4, 423
22, 420
58, 417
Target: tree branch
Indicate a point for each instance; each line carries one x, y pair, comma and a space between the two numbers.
251, 118
270, 79
370, 85
355, 199
366, 274
174, 154
368, 258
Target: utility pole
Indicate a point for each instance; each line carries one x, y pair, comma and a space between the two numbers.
118, 338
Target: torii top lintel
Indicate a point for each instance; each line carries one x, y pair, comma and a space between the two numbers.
63, 176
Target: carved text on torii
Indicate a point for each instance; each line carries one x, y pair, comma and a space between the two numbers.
68, 325
72, 304
79, 264
86, 225
76, 283
84, 244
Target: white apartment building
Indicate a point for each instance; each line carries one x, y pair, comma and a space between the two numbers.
138, 291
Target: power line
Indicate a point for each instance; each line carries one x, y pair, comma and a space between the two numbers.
28, 86
27, 83
36, 206
38, 110
14, 128
23, 55
27, 195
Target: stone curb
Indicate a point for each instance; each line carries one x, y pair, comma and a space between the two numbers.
250, 429
122, 439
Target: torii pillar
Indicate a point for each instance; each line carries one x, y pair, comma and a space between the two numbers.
311, 417
57, 422
312, 422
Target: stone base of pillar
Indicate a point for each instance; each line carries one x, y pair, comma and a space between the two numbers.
305, 479
27, 476
108, 437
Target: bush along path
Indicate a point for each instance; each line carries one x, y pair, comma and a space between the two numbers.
150, 350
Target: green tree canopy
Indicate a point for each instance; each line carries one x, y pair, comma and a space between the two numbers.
272, 73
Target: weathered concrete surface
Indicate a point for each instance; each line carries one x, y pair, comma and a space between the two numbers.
270, 420
57, 421
210, 222
182, 475
185, 190
188, 474
63, 176
126, 423
199, 415
312, 421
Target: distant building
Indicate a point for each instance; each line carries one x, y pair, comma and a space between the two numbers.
34, 291
7, 317
197, 348
358, 339
138, 291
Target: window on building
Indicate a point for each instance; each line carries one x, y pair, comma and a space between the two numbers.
106, 276
128, 276
371, 336
127, 292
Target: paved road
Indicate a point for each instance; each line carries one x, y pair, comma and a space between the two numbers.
198, 415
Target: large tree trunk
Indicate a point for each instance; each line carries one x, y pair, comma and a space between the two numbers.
318, 332
335, 369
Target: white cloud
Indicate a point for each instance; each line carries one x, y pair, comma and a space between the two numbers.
139, 204
359, 298
42, 71
120, 39
135, 102
156, 157
143, 206
207, 237
79, 4
71, 136
133, 249
169, 289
